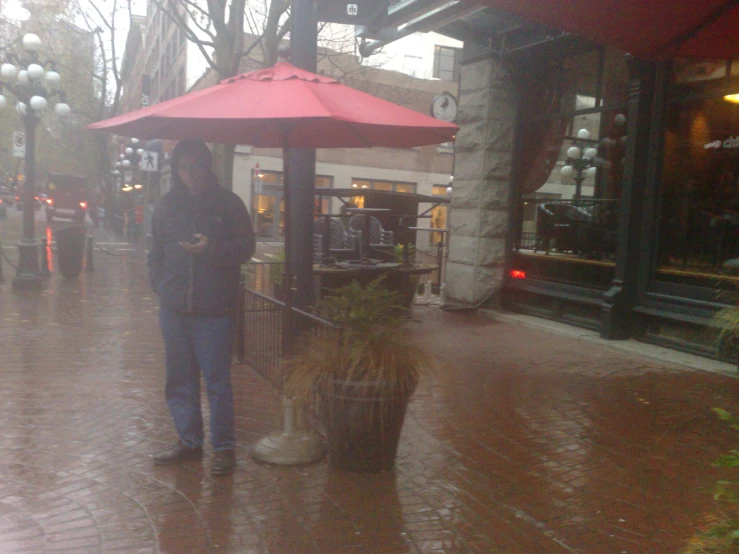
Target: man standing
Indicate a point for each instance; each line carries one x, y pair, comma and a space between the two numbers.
201, 234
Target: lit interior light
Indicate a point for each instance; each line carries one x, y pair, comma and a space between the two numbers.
733, 98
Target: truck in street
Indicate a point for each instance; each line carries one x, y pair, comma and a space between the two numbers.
66, 197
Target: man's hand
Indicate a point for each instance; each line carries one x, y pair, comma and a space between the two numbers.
196, 247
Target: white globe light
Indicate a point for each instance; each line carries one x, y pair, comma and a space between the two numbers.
38, 103
590, 153
121, 156
566, 171
591, 171
118, 164
140, 151
31, 42
624, 139
3, 101
583, 134
116, 172
8, 71
62, 109
129, 151
35, 72
52, 78
126, 163
134, 141
23, 77
21, 108
620, 119
573, 152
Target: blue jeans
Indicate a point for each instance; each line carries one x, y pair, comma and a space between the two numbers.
195, 344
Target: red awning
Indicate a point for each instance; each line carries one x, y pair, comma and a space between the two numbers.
654, 29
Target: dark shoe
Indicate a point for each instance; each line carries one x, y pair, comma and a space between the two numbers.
178, 453
224, 462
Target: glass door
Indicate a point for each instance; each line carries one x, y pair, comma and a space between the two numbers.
269, 223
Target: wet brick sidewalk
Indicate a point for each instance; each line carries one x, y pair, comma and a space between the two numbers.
520, 442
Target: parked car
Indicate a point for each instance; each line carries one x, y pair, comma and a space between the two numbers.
20, 197
7, 197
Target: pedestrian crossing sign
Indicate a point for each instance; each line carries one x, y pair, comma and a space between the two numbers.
149, 161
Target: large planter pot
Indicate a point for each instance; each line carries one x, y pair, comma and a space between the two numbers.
363, 421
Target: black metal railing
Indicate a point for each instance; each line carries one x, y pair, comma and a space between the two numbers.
267, 328
584, 226
264, 277
433, 249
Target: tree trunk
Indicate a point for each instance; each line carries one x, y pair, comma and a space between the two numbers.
223, 163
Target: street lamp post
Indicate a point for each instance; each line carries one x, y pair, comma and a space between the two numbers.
581, 161
33, 82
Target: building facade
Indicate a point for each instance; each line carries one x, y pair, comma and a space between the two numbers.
594, 188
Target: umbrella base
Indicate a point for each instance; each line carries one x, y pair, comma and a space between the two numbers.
293, 449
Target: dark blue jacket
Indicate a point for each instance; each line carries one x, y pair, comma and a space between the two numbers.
207, 283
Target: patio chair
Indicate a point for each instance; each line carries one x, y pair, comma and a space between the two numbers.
341, 243
379, 237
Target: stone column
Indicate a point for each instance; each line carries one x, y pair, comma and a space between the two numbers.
482, 180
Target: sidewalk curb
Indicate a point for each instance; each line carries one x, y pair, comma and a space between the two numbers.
630, 346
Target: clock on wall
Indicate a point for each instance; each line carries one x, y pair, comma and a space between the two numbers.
444, 107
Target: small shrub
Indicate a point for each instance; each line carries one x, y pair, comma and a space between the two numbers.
721, 536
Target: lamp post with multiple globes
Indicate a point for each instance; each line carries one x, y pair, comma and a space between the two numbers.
581, 161
33, 82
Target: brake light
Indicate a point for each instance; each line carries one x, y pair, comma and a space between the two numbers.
83, 205
518, 274
50, 201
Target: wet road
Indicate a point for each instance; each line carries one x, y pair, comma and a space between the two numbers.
519, 442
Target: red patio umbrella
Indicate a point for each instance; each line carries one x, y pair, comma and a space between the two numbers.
283, 106
653, 29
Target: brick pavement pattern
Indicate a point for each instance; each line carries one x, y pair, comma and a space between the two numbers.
516, 442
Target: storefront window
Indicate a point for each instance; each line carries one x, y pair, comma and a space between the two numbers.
572, 168
390, 186
268, 193
699, 217
439, 215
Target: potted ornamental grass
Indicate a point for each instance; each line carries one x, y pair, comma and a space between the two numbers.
357, 376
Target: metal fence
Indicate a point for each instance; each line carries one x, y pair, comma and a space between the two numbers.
264, 277
267, 328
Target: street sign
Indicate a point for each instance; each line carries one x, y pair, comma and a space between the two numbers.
353, 12
149, 161
19, 145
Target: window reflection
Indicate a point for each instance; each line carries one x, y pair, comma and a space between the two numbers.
699, 223
572, 167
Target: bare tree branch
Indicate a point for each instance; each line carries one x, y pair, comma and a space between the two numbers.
189, 33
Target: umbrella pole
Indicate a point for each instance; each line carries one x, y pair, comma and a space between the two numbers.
289, 446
